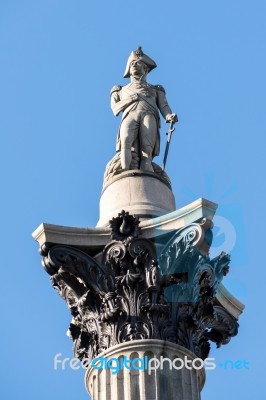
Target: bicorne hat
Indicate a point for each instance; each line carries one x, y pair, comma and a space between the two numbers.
139, 55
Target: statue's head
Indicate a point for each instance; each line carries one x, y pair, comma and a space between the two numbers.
138, 61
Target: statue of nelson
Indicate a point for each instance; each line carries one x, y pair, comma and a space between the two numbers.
140, 103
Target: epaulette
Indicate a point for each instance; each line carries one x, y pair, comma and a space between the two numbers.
159, 87
115, 89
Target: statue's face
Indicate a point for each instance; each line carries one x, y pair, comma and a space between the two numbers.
138, 68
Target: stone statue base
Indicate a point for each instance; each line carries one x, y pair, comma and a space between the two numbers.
133, 384
114, 168
142, 193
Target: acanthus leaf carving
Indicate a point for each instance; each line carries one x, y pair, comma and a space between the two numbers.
133, 293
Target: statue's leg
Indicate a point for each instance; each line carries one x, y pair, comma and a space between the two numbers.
148, 134
128, 133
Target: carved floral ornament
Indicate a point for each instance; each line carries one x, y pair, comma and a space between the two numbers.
140, 292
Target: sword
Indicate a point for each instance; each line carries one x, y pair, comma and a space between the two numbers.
169, 135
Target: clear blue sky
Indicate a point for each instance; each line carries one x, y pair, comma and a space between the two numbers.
59, 60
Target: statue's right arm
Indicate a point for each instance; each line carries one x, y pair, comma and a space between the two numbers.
118, 105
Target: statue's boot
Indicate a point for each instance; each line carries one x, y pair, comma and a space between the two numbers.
146, 165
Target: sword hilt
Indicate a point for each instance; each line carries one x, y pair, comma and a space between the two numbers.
171, 128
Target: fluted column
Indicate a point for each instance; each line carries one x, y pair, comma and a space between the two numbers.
168, 382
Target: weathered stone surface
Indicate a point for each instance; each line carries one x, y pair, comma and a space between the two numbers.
143, 194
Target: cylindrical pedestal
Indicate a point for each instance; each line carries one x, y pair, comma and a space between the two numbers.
141, 193
130, 378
